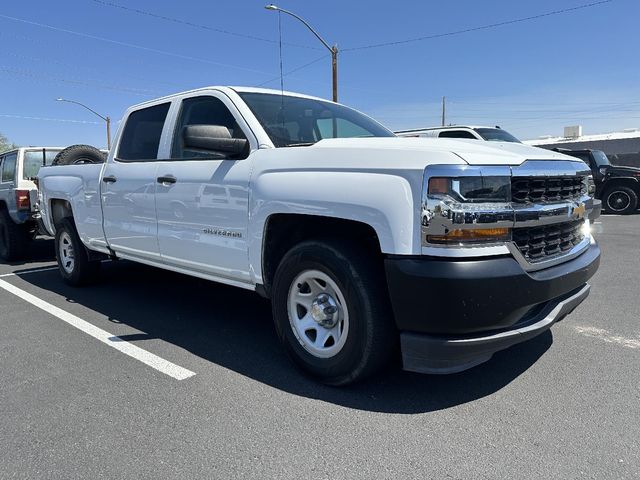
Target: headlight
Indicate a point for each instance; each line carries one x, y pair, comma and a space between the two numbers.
591, 186
466, 205
472, 189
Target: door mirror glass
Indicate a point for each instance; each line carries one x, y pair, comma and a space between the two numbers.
212, 139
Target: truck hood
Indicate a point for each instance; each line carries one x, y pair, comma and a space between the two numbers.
473, 152
622, 170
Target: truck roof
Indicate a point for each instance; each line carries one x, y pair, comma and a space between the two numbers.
237, 89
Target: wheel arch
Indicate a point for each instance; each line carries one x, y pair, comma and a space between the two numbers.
628, 182
60, 209
282, 231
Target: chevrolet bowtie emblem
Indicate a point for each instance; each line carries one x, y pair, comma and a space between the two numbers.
579, 211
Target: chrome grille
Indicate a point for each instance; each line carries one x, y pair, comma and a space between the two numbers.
542, 243
546, 189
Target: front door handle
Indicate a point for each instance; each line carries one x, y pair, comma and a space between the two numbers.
109, 179
167, 179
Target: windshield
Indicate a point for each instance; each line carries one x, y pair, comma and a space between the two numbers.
496, 135
600, 158
33, 161
292, 121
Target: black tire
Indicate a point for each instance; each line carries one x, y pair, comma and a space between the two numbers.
79, 154
80, 271
372, 336
621, 200
13, 238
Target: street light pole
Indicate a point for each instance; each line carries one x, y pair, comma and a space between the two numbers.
107, 119
333, 50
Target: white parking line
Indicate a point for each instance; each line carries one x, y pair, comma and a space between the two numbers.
153, 361
606, 336
24, 272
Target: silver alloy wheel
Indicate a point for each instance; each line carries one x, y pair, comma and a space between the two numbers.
318, 313
67, 258
618, 200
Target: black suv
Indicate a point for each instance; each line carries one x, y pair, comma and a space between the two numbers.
617, 186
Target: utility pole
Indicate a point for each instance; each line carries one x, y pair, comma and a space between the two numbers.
334, 65
444, 110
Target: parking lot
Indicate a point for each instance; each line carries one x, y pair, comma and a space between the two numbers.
209, 393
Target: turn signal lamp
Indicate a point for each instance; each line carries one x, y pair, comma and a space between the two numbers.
477, 235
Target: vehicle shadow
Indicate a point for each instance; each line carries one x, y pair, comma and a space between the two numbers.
233, 328
39, 250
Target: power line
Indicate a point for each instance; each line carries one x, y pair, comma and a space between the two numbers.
65, 120
482, 27
154, 50
197, 25
133, 45
47, 78
77, 67
294, 70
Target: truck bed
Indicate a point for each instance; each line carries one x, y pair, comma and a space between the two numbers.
80, 186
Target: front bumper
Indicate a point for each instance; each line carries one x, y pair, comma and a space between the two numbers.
454, 314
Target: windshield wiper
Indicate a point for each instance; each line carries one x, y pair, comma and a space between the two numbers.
301, 144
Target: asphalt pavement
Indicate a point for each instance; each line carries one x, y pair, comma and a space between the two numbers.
74, 406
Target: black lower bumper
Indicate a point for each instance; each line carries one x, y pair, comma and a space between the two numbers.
454, 314
437, 354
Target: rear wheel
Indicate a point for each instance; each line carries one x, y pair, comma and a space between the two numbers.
78, 154
73, 262
13, 238
332, 312
620, 199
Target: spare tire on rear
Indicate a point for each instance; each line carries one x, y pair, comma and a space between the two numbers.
78, 154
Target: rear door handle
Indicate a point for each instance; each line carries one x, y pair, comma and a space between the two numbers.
167, 179
109, 179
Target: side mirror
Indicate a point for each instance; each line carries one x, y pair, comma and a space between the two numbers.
212, 138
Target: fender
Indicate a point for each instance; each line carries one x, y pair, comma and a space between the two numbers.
385, 201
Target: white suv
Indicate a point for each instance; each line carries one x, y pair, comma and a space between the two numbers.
489, 134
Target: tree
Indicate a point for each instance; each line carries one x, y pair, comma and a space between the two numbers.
5, 144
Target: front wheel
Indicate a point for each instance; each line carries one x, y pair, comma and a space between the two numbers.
621, 200
73, 262
332, 312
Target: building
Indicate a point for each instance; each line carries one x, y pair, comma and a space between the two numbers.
622, 148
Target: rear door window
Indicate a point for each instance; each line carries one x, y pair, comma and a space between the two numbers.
457, 134
33, 161
141, 136
9, 167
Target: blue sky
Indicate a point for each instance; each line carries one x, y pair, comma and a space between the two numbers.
532, 78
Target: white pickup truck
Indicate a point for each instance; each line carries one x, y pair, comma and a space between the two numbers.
366, 244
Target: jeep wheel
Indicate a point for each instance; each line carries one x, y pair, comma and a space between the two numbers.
75, 267
331, 311
13, 238
621, 200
